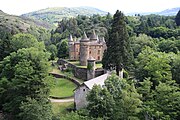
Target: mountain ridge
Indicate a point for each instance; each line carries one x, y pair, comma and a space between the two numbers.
55, 14
166, 12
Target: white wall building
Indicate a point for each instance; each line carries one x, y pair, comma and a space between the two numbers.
81, 92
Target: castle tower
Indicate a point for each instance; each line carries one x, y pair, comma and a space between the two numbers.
91, 68
93, 36
84, 50
71, 48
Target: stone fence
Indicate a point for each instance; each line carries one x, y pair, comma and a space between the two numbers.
78, 72
63, 76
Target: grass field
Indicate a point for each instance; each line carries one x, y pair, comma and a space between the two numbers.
61, 108
62, 88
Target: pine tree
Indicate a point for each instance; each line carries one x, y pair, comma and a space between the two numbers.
177, 19
118, 54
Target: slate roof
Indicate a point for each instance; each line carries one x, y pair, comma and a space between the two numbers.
98, 81
93, 36
84, 37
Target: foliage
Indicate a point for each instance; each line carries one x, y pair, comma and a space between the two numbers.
138, 43
154, 65
169, 45
118, 52
23, 75
116, 100
5, 46
76, 26
164, 32
63, 49
34, 109
161, 103
53, 50
100, 103
22, 40
176, 69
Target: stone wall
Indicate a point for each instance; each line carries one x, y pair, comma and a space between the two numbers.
78, 72
66, 77
99, 72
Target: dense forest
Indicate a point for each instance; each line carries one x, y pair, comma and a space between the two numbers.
151, 65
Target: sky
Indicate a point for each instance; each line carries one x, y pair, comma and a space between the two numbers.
18, 7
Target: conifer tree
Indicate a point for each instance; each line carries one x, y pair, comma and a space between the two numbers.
177, 19
118, 54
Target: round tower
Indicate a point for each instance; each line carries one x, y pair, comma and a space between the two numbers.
84, 50
71, 47
91, 68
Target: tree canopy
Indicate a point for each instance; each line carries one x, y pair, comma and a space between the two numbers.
23, 81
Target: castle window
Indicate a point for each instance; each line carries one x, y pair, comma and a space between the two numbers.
89, 52
99, 46
84, 90
98, 57
99, 51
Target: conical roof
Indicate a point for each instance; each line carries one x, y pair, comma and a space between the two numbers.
70, 38
103, 40
91, 59
84, 37
93, 35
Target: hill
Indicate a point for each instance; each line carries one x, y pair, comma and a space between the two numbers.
167, 12
20, 23
53, 15
170, 12
12, 24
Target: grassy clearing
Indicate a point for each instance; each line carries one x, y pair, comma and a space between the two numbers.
61, 108
62, 88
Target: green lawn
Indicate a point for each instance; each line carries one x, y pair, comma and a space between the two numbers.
60, 108
62, 88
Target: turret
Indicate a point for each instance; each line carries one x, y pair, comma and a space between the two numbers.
84, 50
93, 36
91, 68
103, 40
71, 47
70, 41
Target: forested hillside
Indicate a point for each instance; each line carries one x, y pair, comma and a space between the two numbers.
11, 25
